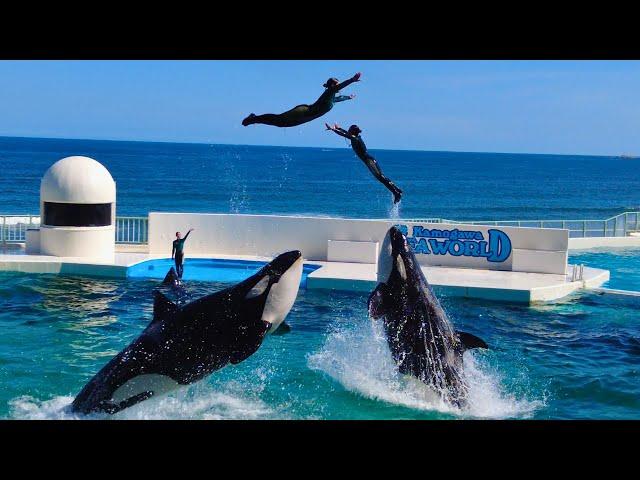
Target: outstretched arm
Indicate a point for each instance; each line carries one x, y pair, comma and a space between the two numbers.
339, 131
342, 98
346, 83
187, 235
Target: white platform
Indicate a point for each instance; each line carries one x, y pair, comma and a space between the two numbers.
463, 282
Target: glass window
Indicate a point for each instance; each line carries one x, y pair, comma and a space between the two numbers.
77, 215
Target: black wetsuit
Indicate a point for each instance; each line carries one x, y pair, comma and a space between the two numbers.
302, 113
178, 254
361, 151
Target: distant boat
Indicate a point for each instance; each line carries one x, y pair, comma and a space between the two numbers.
628, 156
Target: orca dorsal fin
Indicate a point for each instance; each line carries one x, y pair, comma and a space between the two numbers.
163, 308
470, 341
171, 278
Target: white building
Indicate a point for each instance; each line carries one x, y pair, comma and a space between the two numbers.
77, 211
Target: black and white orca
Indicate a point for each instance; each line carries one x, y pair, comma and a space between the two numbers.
421, 338
185, 343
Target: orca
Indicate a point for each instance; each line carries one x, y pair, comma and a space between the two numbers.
419, 333
185, 343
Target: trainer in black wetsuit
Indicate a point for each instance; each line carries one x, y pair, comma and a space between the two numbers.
177, 252
305, 113
360, 149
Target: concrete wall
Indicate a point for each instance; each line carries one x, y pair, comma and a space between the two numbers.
261, 235
595, 242
531, 249
32, 241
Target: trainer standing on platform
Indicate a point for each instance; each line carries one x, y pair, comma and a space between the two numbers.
177, 252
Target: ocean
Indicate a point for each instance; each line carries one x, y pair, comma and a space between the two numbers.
575, 358
330, 182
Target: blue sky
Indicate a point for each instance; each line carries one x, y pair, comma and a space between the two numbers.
577, 107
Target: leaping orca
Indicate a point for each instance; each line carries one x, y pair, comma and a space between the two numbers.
421, 338
185, 343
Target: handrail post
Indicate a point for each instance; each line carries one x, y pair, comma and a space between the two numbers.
615, 227
4, 231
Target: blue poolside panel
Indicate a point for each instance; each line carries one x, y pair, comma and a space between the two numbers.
207, 269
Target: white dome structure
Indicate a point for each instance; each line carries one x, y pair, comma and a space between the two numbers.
77, 180
77, 210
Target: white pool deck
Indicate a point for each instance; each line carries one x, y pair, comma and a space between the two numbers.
460, 282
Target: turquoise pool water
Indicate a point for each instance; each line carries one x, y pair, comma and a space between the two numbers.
577, 358
621, 262
207, 269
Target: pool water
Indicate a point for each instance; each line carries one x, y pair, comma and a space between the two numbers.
623, 264
207, 269
576, 358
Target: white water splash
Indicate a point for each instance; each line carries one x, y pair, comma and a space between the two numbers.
239, 197
284, 167
394, 210
360, 360
199, 401
238, 200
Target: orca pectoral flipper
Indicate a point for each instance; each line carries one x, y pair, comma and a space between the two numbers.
471, 341
245, 350
111, 408
282, 329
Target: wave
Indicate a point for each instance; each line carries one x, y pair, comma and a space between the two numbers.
200, 401
359, 359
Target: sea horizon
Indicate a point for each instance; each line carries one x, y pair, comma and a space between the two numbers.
280, 180
309, 147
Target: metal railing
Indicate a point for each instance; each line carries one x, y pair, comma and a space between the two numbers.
135, 230
424, 220
130, 230
617, 226
13, 228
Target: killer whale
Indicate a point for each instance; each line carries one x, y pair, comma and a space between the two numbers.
419, 333
185, 343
